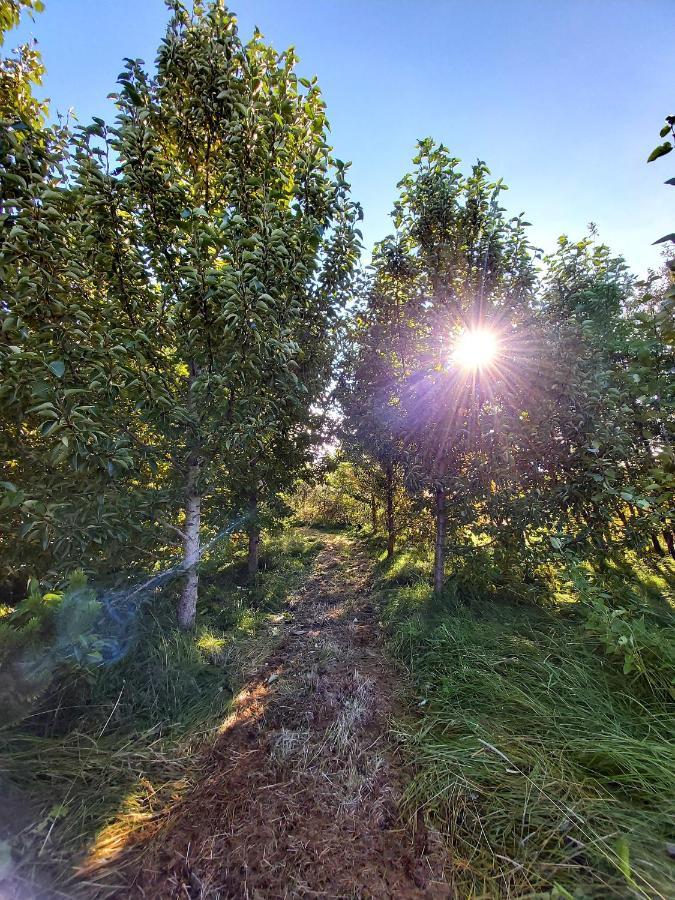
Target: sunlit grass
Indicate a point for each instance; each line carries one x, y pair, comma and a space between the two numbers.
210, 643
531, 751
102, 756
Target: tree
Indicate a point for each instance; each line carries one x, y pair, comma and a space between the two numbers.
456, 263
22, 70
369, 432
617, 392
203, 240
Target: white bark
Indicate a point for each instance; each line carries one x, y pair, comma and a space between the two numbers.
187, 604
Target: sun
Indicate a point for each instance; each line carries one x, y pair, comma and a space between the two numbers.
475, 348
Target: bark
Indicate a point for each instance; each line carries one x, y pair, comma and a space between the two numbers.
187, 604
656, 543
391, 530
373, 512
669, 538
253, 540
439, 549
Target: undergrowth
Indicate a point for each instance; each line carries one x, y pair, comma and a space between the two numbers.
542, 739
115, 740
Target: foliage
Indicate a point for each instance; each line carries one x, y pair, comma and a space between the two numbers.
666, 308
45, 638
10, 13
668, 130
20, 72
531, 755
565, 440
630, 630
169, 287
178, 311
337, 499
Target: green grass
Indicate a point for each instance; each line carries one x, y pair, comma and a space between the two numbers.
549, 771
117, 744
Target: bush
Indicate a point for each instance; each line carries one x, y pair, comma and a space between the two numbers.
45, 639
630, 632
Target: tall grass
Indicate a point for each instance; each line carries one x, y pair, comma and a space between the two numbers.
117, 743
546, 768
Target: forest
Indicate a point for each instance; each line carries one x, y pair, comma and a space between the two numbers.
381, 552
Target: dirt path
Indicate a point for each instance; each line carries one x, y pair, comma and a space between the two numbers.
298, 796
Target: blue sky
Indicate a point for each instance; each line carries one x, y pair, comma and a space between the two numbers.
563, 99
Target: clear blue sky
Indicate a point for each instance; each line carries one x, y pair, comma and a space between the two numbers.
563, 98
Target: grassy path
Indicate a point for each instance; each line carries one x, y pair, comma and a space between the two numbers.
298, 796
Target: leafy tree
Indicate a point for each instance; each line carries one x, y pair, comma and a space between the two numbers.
370, 426
565, 441
197, 250
618, 393
22, 70
457, 262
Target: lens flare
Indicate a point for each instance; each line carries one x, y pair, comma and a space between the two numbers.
475, 348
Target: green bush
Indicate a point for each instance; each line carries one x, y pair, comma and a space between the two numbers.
46, 639
630, 631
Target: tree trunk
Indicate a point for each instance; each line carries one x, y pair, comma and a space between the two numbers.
373, 512
253, 539
187, 604
670, 542
439, 550
656, 543
391, 531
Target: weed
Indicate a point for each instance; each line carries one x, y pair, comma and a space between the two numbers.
106, 746
546, 772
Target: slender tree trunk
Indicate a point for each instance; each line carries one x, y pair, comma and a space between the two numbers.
187, 604
656, 543
373, 512
391, 530
253, 539
439, 550
670, 542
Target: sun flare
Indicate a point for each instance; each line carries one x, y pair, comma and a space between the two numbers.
475, 348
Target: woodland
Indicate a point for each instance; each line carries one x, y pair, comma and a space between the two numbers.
210, 403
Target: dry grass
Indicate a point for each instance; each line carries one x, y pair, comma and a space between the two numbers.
297, 796
109, 758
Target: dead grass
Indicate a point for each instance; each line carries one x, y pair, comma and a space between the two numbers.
298, 796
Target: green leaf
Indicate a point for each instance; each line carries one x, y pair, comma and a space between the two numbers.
661, 150
58, 367
623, 859
561, 893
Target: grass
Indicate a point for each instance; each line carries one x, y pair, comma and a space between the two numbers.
549, 771
102, 752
